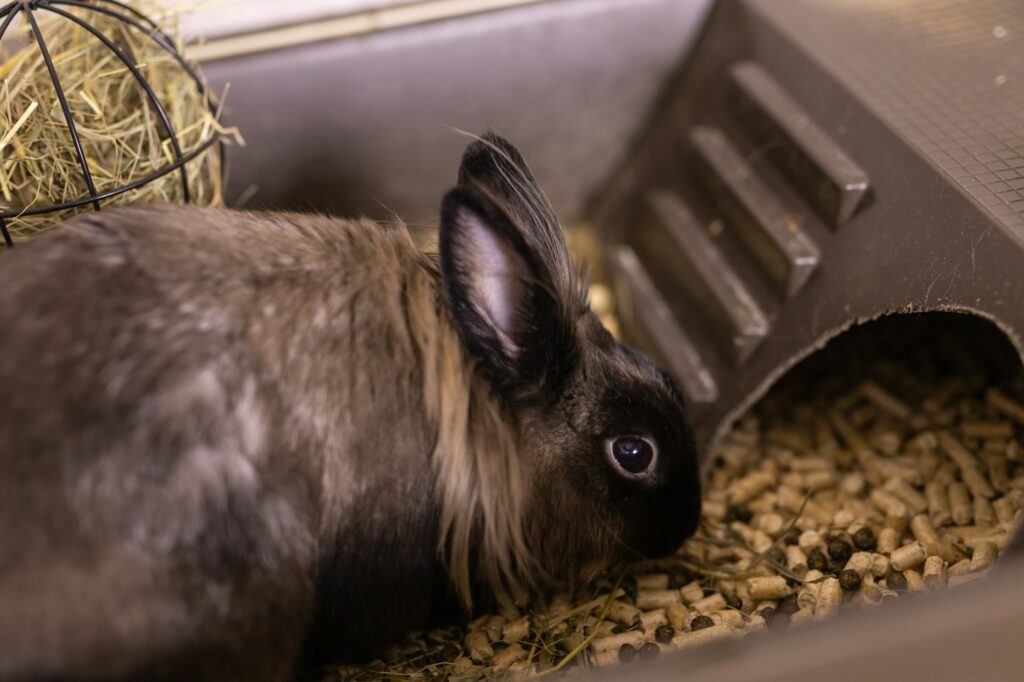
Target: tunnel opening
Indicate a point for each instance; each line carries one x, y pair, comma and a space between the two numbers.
918, 350
890, 462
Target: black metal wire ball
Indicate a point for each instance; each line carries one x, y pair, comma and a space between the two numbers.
86, 15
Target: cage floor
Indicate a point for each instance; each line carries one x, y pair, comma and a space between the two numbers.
888, 466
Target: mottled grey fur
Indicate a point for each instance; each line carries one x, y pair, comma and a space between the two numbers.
239, 446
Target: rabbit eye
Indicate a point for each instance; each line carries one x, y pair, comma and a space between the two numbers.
632, 454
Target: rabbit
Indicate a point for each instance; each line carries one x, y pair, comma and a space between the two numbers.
243, 446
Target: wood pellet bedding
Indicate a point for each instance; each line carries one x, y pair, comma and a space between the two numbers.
854, 483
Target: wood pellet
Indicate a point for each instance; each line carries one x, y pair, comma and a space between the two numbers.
847, 500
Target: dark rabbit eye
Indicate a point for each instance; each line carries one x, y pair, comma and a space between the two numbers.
633, 454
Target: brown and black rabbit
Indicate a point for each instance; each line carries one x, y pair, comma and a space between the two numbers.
239, 446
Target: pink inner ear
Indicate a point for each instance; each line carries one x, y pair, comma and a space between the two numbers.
497, 283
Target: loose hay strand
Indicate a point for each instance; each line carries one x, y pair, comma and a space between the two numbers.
571, 656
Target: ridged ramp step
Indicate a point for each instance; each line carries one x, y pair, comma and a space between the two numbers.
642, 301
711, 282
773, 236
818, 167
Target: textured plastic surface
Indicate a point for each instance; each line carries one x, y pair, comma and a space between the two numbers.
898, 122
773, 235
831, 181
947, 78
640, 301
889, 133
735, 314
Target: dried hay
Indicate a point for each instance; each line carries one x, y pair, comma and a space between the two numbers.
122, 136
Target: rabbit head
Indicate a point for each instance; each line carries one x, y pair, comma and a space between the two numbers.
605, 455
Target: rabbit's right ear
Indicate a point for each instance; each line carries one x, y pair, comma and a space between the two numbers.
493, 164
502, 296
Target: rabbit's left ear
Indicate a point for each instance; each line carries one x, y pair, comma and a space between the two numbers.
503, 295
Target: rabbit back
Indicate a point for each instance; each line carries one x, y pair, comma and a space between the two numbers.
222, 411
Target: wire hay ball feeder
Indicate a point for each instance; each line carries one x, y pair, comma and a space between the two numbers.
99, 107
